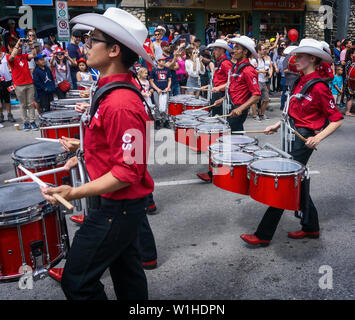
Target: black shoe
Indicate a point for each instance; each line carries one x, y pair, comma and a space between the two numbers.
157, 125
1, 118
166, 124
152, 209
10, 117
150, 265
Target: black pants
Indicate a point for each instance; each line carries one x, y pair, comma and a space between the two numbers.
236, 123
108, 238
45, 102
147, 247
214, 98
272, 216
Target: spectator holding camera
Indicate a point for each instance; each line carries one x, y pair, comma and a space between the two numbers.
23, 81
61, 61
194, 68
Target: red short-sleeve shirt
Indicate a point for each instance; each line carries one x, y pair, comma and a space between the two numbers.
316, 107
116, 141
21, 74
244, 85
220, 75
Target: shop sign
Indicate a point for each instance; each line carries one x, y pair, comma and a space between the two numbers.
37, 2
279, 5
176, 3
82, 3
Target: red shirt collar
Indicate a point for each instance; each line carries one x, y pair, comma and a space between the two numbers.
223, 57
126, 77
309, 76
246, 60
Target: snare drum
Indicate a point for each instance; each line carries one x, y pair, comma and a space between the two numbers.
207, 119
230, 171
42, 156
207, 134
195, 104
265, 154
220, 148
276, 182
58, 118
176, 105
251, 148
196, 113
32, 231
238, 140
67, 104
185, 130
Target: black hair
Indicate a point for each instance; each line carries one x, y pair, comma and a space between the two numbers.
335, 43
345, 42
129, 57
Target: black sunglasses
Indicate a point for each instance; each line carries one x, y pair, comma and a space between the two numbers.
91, 40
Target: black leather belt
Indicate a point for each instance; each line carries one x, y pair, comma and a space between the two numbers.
96, 202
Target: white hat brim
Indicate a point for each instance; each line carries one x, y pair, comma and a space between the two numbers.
79, 26
220, 45
114, 30
314, 52
246, 46
289, 49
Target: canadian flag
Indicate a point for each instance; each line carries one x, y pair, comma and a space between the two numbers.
11, 88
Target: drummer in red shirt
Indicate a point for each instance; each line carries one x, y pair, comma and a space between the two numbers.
116, 160
220, 74
244, 88
311, 115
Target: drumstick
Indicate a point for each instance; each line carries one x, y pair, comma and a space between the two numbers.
211, 106
37, 174
250, 131
64, 202
74, 142
301, 137
185, 87
222, 116
74, 125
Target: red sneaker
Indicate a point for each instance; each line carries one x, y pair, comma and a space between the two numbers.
150, 265
300, 234
56, 273
254, 240
152, 209
204, 176
79, 219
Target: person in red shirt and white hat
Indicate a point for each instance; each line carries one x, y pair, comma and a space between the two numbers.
220, 80
244, 87
116, 161
311, 115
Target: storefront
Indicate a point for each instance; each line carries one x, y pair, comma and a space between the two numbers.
270, 17
184, 16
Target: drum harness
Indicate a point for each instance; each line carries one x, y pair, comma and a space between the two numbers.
287, 124
96, 96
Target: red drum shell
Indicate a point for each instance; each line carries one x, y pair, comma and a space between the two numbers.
175, 108
286, 195
185, 131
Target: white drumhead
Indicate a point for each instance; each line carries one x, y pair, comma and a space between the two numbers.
223, 147
276, 166
237, 158
237, 139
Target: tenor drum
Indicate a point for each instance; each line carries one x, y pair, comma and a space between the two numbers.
276, 182
33, 232
185, 131
220, 148
176, 105
238, 140
196, 113
351, 77
67, 104
207, 119
207, 134
251, 148
58, 118
230, 171
42, 156
182, 117
195, 104
264, 154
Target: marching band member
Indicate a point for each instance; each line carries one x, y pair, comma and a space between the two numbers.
244, 88
116, 161
310, 115
220, 79
220, 75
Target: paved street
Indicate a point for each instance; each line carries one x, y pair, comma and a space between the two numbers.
197, 229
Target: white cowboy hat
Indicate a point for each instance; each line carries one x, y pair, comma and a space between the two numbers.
79, 26
326, 47
247, 43
220, 44
161, 28
314, 48
119, 25
289, 49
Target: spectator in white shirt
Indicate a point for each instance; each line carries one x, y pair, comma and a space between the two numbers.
194, 68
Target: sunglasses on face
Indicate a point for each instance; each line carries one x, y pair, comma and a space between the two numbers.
60, 54
31, 35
